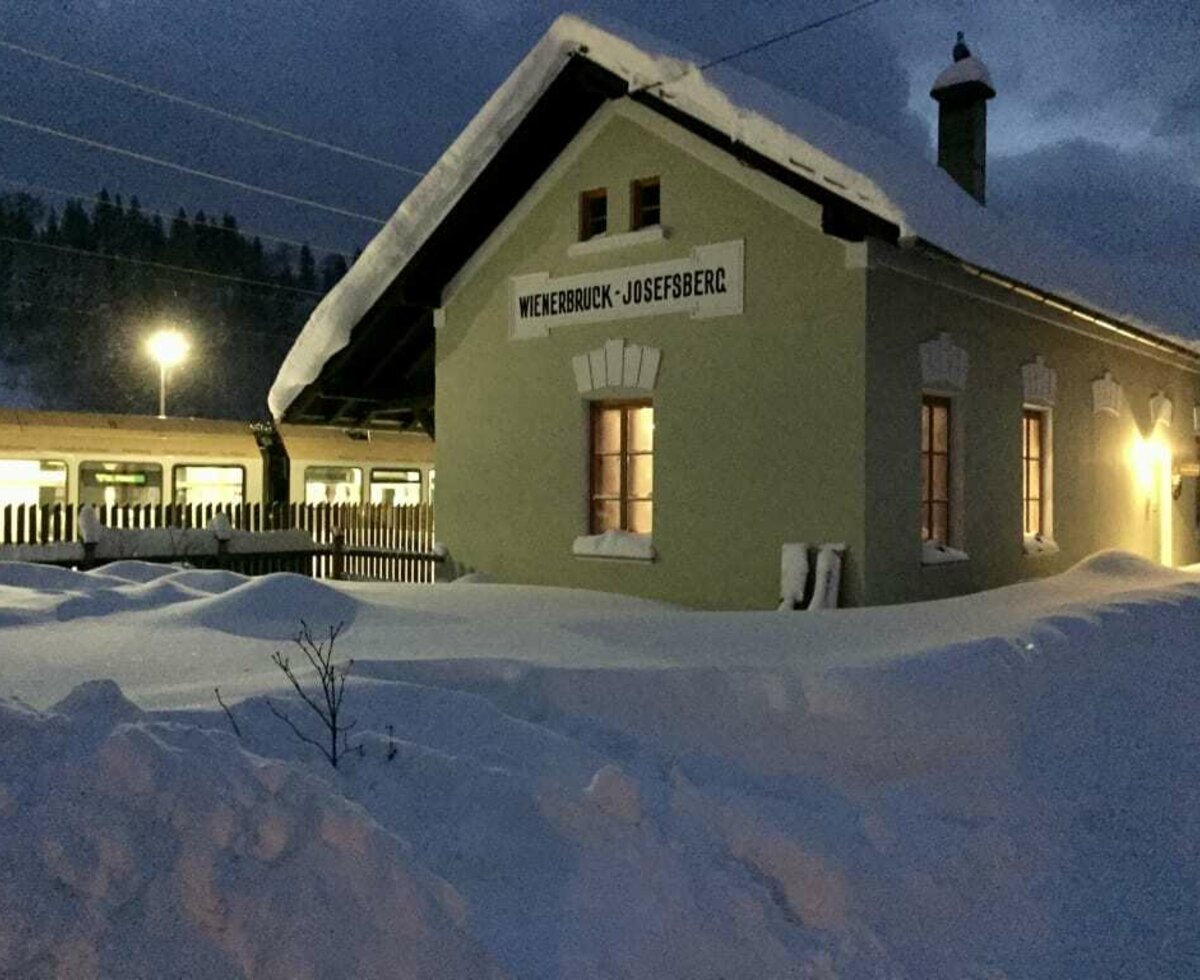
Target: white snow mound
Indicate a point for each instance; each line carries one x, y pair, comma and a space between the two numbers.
270, 607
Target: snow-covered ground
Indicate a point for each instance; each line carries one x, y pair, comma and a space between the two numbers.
548, 783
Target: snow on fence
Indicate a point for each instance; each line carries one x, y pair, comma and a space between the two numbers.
375, 542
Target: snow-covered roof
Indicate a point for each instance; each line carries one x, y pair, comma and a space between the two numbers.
969, 69
867, 169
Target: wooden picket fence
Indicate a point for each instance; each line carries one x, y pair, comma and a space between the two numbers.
369, 542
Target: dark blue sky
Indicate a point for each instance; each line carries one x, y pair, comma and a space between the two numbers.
1096, 128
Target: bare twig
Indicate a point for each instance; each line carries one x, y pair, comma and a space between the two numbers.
228, 714
327, 704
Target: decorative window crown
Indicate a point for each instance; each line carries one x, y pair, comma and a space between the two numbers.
1106, 395
1161, 410
1040, 382
943, 363
616, 365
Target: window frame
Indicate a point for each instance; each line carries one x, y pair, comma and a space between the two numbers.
349, 467
931, 402
586, 230
624, 496
637, 207
147, 465
1045, 463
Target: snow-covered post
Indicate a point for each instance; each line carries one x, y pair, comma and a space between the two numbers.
222, 530
828, 577
90, 530
793, 576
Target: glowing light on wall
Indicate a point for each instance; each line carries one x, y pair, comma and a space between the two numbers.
1150, 461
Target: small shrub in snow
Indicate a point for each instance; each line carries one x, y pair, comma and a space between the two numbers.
327, 704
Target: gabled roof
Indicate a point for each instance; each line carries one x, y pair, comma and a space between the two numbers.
384, 302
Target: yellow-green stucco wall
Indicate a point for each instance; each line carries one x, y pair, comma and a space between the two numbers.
759, 417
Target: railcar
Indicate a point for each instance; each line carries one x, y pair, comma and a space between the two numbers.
83, 458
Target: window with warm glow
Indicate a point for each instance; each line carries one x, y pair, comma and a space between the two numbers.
593, 213
935, 469
1033, 471
32, 482
398, 487
622, 490
119, 484
209, 484
645, 204
332, 485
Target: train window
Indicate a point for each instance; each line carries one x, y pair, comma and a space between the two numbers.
332, 485
209, 484
399, 487
32, 481
118, 484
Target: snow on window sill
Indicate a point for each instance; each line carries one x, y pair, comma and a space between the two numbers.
624, 239
933, 553
1039, 544
614, 544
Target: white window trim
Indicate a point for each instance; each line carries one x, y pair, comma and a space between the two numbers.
606, 242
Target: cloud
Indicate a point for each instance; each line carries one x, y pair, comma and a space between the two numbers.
1181, 117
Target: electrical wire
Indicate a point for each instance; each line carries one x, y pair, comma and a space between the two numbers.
211, 109
146, 263
759, 45
191, 171
241, 229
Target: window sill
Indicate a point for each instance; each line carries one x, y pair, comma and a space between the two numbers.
624, 239
1039, 544
621, 545
939, 554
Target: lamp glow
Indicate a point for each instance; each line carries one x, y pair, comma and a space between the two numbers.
167, 348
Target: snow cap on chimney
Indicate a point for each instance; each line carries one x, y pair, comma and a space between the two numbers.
962, 92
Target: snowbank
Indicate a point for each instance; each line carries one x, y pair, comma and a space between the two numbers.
142, 848
1002, 785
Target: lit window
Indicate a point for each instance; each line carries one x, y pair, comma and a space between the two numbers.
32, 482
593, 213
622, 491
935, 469
397, 488
1034, 453
645, 210
332, 485
118, 484
209, 484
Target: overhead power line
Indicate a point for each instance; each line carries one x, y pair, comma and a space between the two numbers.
70, 250
759, 45
211, 109
241, 229
191, 171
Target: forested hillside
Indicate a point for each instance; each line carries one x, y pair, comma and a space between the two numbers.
80, 291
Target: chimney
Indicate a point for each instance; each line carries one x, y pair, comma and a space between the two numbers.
962, 92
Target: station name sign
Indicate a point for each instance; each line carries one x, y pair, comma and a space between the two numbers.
706, 283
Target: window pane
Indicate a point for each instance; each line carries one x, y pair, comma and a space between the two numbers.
1033, 480
209, 484
641, 476
332, 485
607, 476
941, 430
397, 488
1033, 436
120, 483
640, 516
641, 430
606, 430
32, 481
606, 515
941, 515
941, 488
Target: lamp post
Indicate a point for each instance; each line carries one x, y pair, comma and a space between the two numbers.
167, 347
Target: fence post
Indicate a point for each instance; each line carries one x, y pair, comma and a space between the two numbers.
338, 571
89, 555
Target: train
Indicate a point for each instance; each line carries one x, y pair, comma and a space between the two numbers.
84, 458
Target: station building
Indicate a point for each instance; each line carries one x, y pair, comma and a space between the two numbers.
674, 320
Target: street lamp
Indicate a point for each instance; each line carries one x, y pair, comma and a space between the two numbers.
168, 347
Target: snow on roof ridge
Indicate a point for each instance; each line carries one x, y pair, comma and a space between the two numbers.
859, 164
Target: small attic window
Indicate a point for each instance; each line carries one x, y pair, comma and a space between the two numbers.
593, 213
644, 208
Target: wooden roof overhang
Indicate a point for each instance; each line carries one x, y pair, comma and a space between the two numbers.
384, 377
